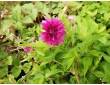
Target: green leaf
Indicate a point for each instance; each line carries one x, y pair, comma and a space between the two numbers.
11, 79
26, 67
27, 19
10, 59
87, 62
16, 71
16, 61
40, 44
36, 79
99, 74
36, 68
106, 77
3, 71
52, 72
68, 27
97, 62
107, 58
68, 59
86, 26
19, 25
29, 10
3, 55
16, 13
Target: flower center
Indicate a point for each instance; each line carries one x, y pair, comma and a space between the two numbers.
52, 33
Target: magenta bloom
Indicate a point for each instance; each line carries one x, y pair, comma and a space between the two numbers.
53, 32
27, 49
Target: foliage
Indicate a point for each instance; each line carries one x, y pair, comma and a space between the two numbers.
84, 57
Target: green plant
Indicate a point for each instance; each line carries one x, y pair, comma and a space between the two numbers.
84, 56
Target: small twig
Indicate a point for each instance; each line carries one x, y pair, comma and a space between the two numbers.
75, 73
77, 77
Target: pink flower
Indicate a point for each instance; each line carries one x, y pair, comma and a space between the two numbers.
27, 49
71, 17
53, 31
